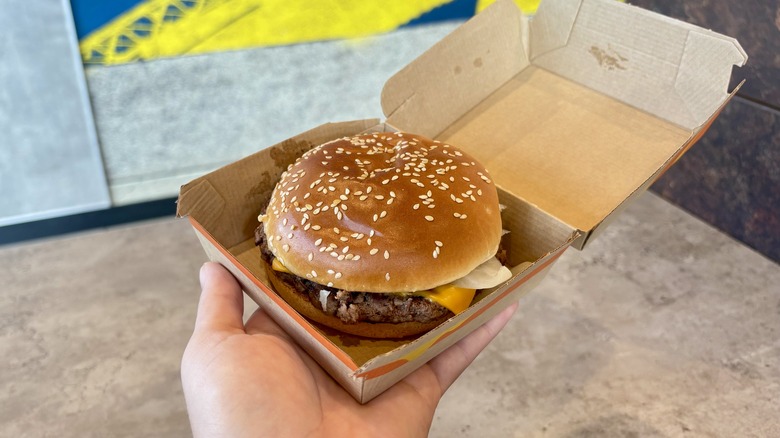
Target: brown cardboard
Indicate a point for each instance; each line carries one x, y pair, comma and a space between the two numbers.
576, 108
567, 144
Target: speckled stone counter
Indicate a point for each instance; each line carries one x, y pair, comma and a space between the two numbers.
662, 327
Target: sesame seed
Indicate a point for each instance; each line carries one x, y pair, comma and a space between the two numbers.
315, 227
368, 190
435, 254
311, 256
330, 284
387, 254
344, 251
383, 214
343, 197
346, 191
336, 230
278, 238
438, 243
317, 242
290, 235
286, 247
344, 238
368, 241
385, 181
350, 256
373, 251
331, 271
416, 206
392, 194
371, 233
334, 254
463, 216
379, 197
429, 218
390, 201
284, 221
375, 217
363, 198
338, 275
387, 276
306, 227
356, 258
341, 257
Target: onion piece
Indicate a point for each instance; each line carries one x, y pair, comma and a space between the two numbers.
324, 299
489, 274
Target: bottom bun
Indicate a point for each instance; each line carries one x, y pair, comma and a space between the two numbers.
377, 330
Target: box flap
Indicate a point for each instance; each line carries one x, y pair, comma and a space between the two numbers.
669, 68
457, 73
600, 108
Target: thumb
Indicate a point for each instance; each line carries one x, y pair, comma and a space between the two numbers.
221, 306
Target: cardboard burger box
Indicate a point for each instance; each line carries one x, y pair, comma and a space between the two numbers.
574, 113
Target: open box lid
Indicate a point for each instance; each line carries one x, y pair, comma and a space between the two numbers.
574, 110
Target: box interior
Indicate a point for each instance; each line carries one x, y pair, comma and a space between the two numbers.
555, 108
563, 147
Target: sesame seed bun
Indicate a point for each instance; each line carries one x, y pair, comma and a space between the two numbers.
383, 212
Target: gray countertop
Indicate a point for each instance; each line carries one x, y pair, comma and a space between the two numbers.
662, 327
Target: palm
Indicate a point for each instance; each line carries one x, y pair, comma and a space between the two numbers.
254, 380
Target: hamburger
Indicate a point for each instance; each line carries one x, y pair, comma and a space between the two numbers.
382, 235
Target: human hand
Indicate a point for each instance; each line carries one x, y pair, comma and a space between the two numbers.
253, 380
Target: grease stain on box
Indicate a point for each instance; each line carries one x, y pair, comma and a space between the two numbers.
609, 59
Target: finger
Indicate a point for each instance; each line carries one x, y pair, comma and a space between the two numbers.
221, 305
261, 322
453, 361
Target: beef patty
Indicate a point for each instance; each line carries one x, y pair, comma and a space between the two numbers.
353, 307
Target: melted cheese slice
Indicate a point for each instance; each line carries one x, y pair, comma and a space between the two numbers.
456, 299
449, 296
276, 265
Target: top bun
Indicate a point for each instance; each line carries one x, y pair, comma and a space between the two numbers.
383, 212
